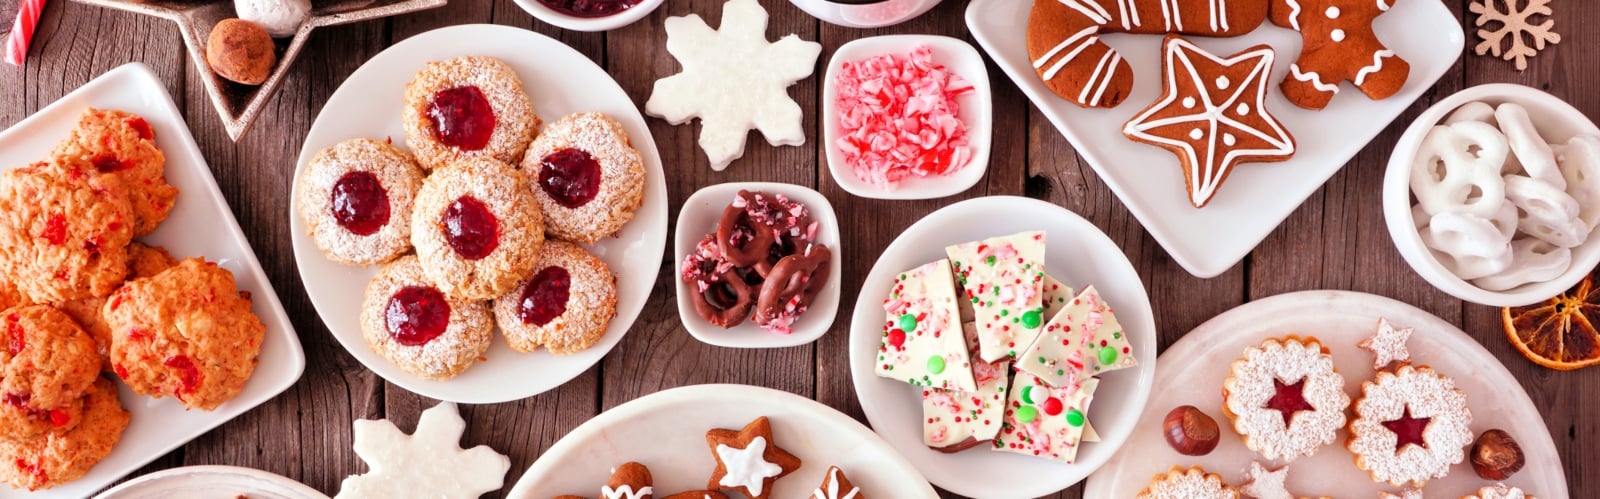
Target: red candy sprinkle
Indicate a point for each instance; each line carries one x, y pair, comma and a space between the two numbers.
462, 118
545, 296
59, 418
470, 228
897, 338
899, 117
360, 204
55, 229
416, 315
142, 127
188, 374
15, 339
1289, 399
1052, 406
570, 176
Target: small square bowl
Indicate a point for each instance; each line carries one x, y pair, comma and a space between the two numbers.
699, 217
977, 111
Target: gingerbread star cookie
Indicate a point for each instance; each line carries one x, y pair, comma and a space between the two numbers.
836, 486
748, 460
1339, 45
1212, 114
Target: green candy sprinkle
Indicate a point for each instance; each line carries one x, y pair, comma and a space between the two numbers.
1027, 394
936, 364
1117, 335
1032, 318
989, 260
1026, 414
1004, 312
908, 323
1108, 355
1075, 417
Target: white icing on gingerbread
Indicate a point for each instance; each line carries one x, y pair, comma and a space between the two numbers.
1080, 40
747, 467
1377, 65
1097, 14
625, 492
1313, 78
1294, 14
833, 491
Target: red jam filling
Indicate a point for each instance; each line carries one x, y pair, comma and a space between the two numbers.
470, 228
462, 118
188, 374
107, 163
55, 229
416, 315
1289, 399
545, 296
1408, 430
360, 204
142, 127
589, 8
570, 176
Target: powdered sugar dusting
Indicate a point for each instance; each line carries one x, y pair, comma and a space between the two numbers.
1250, 386
1193, 483
1500, 491
1404, 494
1388, 345
621, 176
515, 121
1266, 483
1428, 394
504, 190
465, 338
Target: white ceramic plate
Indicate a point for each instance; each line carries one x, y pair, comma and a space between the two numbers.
977, 111
211, 482
201, 225
1256, 197
1193, 369
561, 81
666, 432
699, 217
1079, 255
608, 23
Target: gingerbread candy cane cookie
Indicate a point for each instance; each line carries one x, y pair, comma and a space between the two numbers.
1065, 47
1338, 45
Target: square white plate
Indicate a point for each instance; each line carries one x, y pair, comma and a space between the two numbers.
201, 225
1256, 197
699, 217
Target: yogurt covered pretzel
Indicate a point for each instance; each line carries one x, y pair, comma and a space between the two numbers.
1477, 247
1529, 149
1532, 260
1546, 212
1579, 160
1446, 169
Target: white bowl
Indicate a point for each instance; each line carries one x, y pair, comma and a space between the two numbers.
864, 16
977, 111
608, 23
699, 217
1557, 122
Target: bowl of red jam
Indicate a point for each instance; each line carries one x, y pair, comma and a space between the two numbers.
589, 15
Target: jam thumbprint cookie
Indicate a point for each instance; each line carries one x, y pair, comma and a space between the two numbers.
187, 332
468, 107
564, 306
123, 145
62, 239
1285, 398
418, 327
355, 199
589, 178
477, 228
45, 367
64, 455
1192, 483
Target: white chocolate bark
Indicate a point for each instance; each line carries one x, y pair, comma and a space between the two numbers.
1043, 421
1003, 280
1084, 339
922, 341
950, 417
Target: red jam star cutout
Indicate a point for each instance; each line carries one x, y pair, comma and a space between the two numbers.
1289, 399
1408, 430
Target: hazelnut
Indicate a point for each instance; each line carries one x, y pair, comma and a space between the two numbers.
1191, 432
241, 51
1496, 456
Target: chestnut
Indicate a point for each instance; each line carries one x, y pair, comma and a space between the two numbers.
1190, 431
1496, 456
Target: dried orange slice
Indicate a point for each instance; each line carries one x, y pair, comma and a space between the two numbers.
1559, 333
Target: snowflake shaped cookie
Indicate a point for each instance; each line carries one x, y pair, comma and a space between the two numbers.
427, 463
1388, 345
734, 80
1515, 24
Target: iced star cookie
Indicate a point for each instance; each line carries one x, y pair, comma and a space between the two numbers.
477, 228
954, 420
565, 306
1084, 339
46, 365
1212, 115
922, 339
1003, 278
1192, 483
748, 460
64, 455
835, 485
355, 198
1285, 398
62, 239
1044, 421
587, 177
1339, 45
468, 107
419, 328
1411, 425
122, 145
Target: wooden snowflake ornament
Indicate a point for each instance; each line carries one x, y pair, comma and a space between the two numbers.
1510, 39
426, 463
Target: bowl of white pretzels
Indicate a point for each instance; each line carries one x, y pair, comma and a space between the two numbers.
1493, 194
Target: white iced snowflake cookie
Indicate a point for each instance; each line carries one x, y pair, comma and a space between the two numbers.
1285, 398
734, 80
426, 463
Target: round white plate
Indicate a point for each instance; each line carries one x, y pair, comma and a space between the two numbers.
1192, 371
1079, 255
211, 482
666, 432
561, 81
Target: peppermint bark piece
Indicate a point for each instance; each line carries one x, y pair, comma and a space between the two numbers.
955, 420
922, 340
1084, 339
1003, 279
1044, 421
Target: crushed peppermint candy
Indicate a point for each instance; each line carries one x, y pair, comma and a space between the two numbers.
899, 117
705, 265
776, 211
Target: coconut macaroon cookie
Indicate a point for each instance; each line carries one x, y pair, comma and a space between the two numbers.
565, 305
477, 228
419, 328
468, 107
355, 199
588, 178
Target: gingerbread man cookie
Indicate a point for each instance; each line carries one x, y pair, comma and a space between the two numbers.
1338, 45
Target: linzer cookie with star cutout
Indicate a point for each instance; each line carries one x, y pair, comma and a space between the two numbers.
1003, 279
922, 339
1083, 339
1285, 398
956, 420
1044, 421
1412, 423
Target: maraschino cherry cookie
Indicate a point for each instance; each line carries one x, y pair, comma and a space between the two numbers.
64, 455
419, 328
1191, 483
1412, 423
468, 107
477, 228
922, 341
122, 145
589, 178
1339, 45
1003, 278
1045, 421
835, 485
565, 306
1285, 398
355, 199
1083, 339
748, 460
143, 261
954, 420
47, 365
62, 238
1212, 115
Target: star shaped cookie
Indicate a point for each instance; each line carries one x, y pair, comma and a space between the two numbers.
748, 460
1388, 345
836, 486
1266, 483
1212, 114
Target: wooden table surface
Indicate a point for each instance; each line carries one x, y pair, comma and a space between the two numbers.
1335, 240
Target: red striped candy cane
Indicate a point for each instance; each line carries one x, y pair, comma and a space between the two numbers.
22, 31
